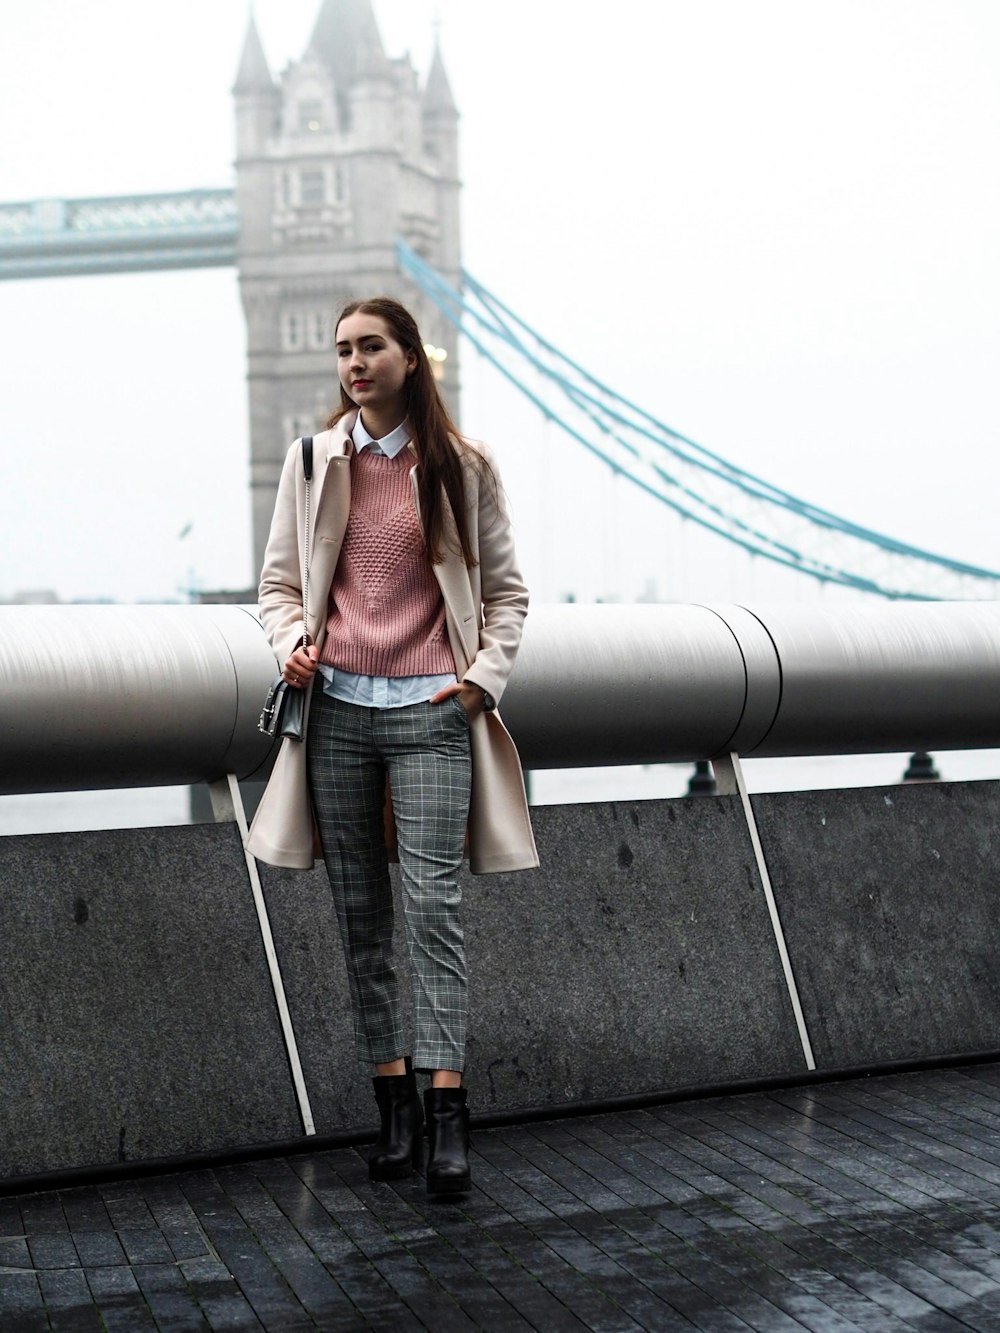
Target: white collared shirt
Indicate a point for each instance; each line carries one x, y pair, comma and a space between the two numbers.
392, 444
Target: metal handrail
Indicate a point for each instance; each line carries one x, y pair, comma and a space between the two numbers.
124, 696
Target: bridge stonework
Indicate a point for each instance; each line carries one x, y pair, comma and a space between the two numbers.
341, 155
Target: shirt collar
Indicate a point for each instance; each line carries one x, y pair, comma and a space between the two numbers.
391, 445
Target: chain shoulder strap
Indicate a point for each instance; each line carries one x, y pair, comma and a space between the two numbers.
307, 468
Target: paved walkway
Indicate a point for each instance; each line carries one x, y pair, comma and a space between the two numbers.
869, 1204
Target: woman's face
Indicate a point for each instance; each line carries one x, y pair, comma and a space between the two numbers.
373, 367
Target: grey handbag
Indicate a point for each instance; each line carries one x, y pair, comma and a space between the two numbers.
284, 711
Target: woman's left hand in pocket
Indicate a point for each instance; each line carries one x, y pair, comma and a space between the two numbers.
470, 696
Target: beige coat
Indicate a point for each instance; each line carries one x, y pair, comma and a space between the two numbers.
485, 608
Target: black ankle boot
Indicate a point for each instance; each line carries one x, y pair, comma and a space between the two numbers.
399, 1148
448, 1136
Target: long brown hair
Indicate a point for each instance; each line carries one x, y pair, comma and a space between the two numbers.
441, 451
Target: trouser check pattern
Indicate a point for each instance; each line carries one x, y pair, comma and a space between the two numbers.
424, 748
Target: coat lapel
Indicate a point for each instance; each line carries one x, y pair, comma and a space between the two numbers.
332, 488
331, 503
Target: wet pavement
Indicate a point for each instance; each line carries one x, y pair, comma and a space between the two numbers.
862, 1204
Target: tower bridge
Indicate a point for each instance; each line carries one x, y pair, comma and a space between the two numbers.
344, 153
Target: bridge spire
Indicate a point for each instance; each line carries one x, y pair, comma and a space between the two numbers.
347, 40
438, 96
254, 74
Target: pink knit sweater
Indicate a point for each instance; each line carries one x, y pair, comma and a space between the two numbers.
386, 613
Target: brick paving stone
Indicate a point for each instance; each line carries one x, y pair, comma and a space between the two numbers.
14, 1252
834, 1179
218, 1296
126, 1206
944, 1178
99, 1249
170, 1300
21, 1300
42, 1214
68, 1301
50, 1250
119, 1301
28, 1322
145, 1245
85, 1210
10, 1217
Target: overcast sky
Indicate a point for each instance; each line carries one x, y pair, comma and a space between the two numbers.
772, 224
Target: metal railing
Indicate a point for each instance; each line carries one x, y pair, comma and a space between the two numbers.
124, 696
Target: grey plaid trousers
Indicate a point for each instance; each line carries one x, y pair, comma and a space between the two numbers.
425, 750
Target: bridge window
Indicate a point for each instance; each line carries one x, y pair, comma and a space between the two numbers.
339, 184
319, 330
310, 117
286, 189
291, 333
312, 189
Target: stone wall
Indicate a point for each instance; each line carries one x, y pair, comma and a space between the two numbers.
141, 1022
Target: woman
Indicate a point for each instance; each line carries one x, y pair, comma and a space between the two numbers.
415, 609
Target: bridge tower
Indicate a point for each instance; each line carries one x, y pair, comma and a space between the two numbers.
342, 154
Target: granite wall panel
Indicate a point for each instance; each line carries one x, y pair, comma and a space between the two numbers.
139, 1019
889, 898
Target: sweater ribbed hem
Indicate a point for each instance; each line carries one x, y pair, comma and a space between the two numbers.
427, 659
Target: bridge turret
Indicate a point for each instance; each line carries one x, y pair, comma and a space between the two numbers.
258, 101
257, 97
441, 113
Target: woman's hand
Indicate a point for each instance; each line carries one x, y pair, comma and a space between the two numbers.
470, 696
301, 666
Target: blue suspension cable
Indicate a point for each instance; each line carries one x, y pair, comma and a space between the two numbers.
497, 323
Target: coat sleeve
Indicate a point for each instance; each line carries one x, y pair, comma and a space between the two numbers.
280, 591
504, 595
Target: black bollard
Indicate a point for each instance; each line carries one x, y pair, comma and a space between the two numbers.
921, 768
702, 781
